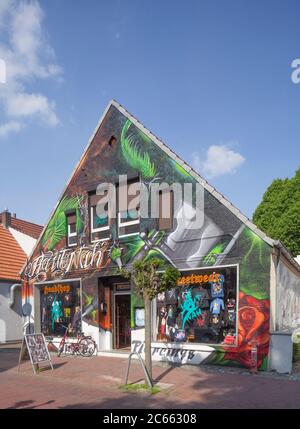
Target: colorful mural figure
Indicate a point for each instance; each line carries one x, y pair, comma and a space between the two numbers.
57, 227
133, 155
56, 311
190, 308
90, 306
115, 254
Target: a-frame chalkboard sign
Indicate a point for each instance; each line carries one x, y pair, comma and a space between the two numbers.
36, 347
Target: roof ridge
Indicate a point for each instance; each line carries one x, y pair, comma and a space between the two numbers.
220, 197
29, 221
23, 220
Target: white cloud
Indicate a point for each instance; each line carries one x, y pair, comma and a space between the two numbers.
10, 127
218, 160
29, 57
24, 104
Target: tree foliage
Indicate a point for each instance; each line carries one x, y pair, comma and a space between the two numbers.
148, 281
278, 215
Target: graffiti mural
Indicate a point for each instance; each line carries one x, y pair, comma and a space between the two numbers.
60, 262
190, 309
119, 147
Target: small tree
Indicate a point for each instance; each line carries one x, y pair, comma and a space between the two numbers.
278, 214
148, 282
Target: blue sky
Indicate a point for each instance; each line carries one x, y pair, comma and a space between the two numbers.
211, 78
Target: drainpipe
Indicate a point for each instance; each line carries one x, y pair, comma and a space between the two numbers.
12, 294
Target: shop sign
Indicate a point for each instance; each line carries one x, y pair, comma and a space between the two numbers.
57, 289
61, 262
123, 286
200, 278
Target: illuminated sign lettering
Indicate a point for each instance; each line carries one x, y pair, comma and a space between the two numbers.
200, 278
57, 289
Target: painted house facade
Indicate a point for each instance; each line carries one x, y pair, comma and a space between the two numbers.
17, 239
233, 282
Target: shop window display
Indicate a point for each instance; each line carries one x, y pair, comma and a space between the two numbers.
60, 303
201, 309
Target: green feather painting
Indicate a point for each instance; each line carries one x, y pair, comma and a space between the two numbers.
57, 227
133, 155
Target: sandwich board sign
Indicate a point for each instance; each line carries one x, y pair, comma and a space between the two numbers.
36, 347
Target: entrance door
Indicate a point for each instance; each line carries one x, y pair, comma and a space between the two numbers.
122, 321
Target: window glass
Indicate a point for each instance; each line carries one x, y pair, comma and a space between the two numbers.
72, 233
99, 221
72, 227
201, 309
129, 230
72, 241
129, 216
166, 210
59, 304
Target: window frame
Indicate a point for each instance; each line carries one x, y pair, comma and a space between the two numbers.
69, 233
100, 229
198, 346
122, 224
160, 197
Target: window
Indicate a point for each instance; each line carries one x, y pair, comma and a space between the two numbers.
99, 221
60, 305
129, 216
166, 210
72, 233
201, 309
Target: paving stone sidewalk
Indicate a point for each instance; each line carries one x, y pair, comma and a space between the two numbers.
94, 383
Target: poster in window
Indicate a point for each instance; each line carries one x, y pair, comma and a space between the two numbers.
139, 317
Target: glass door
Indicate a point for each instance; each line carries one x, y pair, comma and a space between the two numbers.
122, 321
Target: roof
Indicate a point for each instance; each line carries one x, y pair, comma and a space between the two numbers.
13, 247
190, 170
12, 257
28, 228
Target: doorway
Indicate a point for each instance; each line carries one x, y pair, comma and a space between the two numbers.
122, 337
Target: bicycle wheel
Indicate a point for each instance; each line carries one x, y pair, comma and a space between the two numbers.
86, 347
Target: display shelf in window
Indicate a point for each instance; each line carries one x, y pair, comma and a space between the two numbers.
59, 304
201, 309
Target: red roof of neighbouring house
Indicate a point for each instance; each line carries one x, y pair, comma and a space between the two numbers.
28, 228
12, 256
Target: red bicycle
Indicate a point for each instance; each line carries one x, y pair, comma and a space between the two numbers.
84, 346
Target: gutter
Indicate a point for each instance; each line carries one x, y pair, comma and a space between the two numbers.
12, 293
287, 254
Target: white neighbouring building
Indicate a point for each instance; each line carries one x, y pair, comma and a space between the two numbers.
17, 238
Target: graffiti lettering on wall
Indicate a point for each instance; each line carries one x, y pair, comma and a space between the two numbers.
63, 261
179, 354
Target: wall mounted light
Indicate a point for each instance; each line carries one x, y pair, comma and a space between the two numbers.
103, 307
